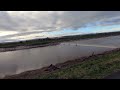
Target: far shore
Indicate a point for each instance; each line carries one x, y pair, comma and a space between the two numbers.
25, 47
13, 46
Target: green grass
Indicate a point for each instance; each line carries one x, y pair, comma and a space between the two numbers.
96, 68
56, 40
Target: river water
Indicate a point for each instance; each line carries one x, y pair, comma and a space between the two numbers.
14, 62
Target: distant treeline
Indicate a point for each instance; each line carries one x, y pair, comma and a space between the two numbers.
56, 40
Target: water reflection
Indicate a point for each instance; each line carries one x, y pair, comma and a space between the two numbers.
18, 61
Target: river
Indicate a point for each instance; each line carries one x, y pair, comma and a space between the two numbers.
14, 62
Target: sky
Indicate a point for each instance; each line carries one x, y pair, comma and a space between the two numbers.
24, 25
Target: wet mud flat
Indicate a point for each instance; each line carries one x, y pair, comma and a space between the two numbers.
26, 47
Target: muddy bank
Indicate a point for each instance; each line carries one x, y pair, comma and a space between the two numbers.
26, 47
51, 41
52, 68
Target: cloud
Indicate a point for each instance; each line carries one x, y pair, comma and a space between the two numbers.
6, 22
28, 22
55, 20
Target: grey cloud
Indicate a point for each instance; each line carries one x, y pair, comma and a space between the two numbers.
33, 22
6, 21
22, 34
56, 20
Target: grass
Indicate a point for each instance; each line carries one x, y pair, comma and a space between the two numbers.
95, 68
56, 40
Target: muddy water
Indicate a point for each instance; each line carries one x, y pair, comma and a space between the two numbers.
22, 60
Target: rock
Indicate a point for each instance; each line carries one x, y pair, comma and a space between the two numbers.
51, 68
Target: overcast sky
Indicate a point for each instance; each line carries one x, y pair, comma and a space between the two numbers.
21, 25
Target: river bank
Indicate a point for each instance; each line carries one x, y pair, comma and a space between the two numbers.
28, 44
92, 67
26, 47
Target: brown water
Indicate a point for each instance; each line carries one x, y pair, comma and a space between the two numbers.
19, 61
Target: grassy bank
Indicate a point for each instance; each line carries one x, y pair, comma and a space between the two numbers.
56, 40
96, 67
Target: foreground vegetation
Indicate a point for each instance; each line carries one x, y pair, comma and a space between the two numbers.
96, 67
56, 40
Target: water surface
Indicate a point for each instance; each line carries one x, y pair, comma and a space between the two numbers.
14, 62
